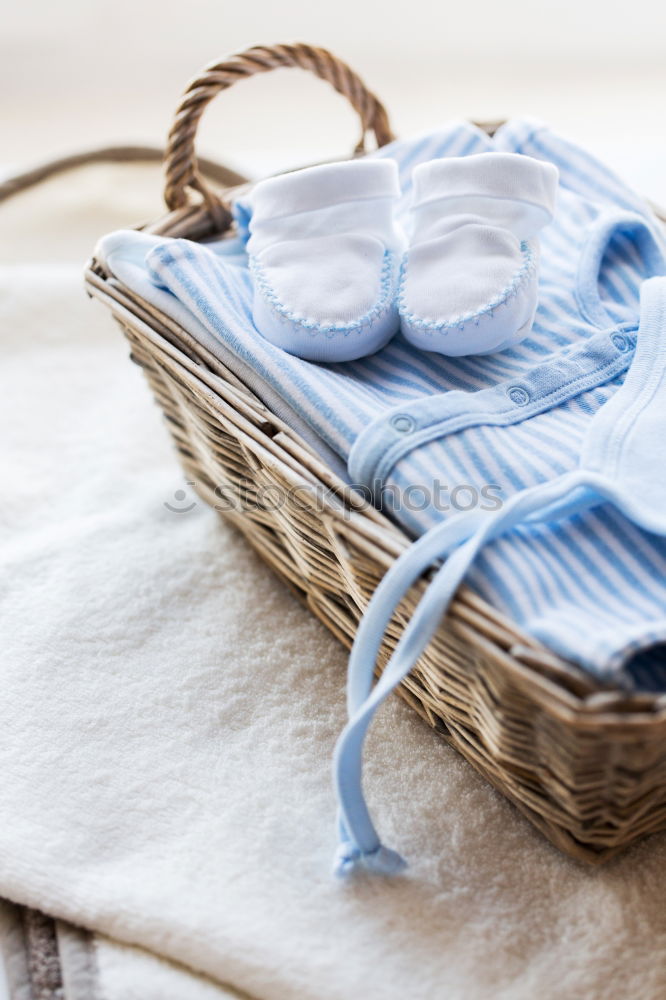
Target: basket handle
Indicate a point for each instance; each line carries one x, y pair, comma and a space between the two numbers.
106, 154
180, 160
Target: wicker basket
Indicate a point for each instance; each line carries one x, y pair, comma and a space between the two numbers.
585, 763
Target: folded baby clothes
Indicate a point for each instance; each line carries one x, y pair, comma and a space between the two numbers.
470, 278
325, 254
482, 456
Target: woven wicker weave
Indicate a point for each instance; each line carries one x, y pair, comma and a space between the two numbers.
586, 764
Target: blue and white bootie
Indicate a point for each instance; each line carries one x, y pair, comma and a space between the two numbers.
470, 277
325, 255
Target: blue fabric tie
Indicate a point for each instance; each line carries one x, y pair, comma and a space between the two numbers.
618, 466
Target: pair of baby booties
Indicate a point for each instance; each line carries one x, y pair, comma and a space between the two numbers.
336, 277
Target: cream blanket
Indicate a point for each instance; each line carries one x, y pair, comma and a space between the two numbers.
168, 711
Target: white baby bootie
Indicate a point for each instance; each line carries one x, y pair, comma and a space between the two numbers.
325, 256
470, 276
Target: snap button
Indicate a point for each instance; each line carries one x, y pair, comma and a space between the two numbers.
402, 423
518, 395
620, 342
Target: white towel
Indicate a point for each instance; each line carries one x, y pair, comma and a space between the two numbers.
167, 715
46, 959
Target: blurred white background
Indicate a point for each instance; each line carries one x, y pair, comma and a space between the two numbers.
79, 73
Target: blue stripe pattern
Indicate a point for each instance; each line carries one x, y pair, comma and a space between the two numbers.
592, 586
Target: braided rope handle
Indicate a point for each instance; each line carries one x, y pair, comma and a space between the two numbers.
180, 160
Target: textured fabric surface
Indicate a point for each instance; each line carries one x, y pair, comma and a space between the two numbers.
127, 973
14, 973
168, 713
46, 959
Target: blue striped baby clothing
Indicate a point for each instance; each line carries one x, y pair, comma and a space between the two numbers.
535, 471
497, 424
